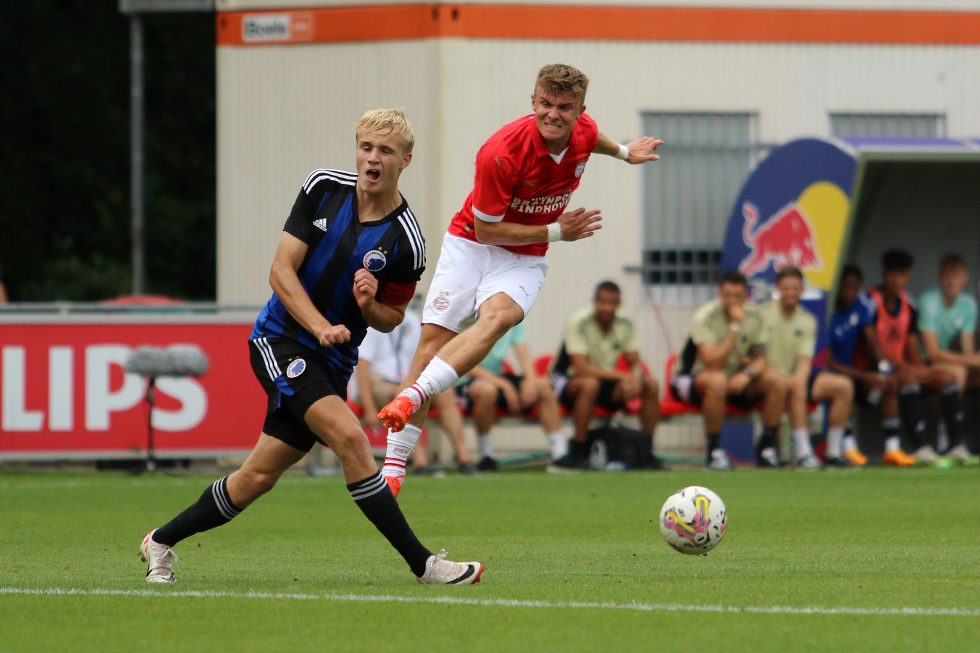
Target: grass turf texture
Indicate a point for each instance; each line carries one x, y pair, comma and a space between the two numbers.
573, 563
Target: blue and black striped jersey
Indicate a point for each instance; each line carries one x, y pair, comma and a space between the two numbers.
324, 217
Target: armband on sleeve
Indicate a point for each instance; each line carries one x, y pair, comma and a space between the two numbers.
396, 294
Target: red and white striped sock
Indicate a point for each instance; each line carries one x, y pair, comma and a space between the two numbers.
401, 444
437, 377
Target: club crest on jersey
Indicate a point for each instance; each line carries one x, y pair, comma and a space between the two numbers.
374, 260
579, 169
441, 303
296, 368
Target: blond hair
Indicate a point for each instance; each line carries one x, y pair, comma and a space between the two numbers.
391, 120
560, 79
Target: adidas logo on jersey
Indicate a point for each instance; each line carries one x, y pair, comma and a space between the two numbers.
320, 224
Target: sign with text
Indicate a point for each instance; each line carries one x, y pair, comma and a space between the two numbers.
63, 390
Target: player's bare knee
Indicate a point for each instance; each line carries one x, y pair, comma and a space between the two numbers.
713, 384
584, 387
253, 483
650, 386
543, 386
348, 442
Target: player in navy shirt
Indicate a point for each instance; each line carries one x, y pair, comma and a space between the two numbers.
338, 247
349, 258
852, 338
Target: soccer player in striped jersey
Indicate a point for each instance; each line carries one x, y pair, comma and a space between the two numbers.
350, 256
492, 262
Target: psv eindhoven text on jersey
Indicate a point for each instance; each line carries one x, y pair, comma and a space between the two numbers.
518, 179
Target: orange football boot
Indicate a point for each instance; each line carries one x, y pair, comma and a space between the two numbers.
898, 458
396, 413
856, 457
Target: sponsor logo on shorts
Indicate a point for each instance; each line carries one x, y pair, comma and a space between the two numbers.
374, 260
579, 169
296, 368
441, 303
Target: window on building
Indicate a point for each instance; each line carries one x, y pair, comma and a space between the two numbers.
687, 203
913, 125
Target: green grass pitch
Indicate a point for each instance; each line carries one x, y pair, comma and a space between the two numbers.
876, 560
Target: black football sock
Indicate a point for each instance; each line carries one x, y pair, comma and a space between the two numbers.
913, 414
890, 426
952, 408
767, 439
714, 440
213, 509
374, 498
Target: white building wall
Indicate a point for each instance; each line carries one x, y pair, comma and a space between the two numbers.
285, 110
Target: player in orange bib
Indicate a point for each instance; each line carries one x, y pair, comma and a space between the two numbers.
896, 326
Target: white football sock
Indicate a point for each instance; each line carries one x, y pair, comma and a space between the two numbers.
892, 444
437, 377
850, 442
559, 445
483, 441
835, 437
801, 443
401, 444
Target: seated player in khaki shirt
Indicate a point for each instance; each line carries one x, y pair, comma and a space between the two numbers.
790, 332
722, 362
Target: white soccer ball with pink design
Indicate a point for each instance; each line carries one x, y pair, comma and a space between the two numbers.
693, 520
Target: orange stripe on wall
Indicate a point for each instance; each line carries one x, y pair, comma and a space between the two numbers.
410, 22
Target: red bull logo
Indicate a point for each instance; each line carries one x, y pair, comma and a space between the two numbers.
787, 238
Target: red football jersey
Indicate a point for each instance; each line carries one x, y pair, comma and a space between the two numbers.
518, 179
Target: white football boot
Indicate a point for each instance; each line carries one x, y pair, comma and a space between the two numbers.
439, 571
159, 559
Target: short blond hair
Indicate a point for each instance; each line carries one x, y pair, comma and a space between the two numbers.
390, 120
559, 78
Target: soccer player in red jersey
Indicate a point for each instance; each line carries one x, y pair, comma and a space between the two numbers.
492, 262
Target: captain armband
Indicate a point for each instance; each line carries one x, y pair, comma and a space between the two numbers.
396, 294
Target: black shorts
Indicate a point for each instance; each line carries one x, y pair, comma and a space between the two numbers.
604, 399
809, 388
294, 377
682, 390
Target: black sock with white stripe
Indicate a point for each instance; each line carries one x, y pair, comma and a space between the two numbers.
213, 509
374, 498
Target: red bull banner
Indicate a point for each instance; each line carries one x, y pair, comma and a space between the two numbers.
792, 210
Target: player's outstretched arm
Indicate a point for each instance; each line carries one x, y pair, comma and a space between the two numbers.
574, 225
638, 151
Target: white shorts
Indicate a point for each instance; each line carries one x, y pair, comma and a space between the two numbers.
469, 273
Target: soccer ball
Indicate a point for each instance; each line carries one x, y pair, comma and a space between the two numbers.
693, 520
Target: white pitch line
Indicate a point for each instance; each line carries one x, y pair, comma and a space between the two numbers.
510, 603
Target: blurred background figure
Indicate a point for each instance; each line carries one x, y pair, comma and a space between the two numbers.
490, 386
384, 361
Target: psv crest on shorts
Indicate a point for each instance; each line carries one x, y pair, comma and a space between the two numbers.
441, 302
374, 260
296, 368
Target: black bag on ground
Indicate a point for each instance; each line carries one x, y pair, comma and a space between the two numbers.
621, 446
